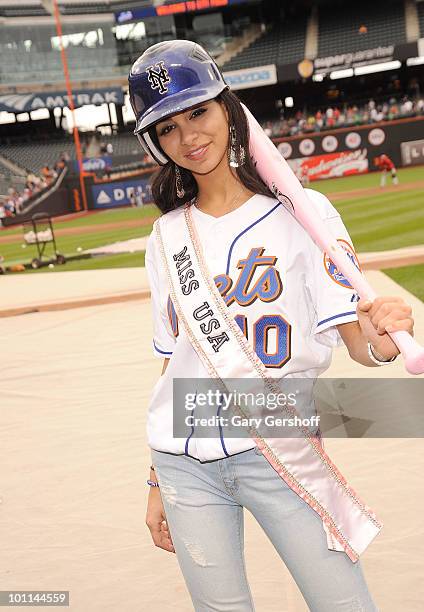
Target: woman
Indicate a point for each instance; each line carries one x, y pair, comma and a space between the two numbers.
219, 219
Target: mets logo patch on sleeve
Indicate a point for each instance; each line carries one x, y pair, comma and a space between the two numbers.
332, 270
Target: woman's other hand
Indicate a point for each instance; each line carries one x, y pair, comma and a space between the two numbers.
156, 521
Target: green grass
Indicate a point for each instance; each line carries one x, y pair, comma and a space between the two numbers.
113, 215
14, 253
125, 260
387, 220
409, 277
365, 181
383, 222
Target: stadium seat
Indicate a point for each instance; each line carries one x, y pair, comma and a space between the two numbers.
33, 156
339, 27
420, 9
283, 44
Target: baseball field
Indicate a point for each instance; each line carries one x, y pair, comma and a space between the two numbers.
378, 219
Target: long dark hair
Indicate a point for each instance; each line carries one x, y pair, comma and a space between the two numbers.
164, 189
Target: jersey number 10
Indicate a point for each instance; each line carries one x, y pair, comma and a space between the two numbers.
271, 338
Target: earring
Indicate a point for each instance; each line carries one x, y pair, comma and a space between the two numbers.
232, 157
232, 152
179, 183
242, 155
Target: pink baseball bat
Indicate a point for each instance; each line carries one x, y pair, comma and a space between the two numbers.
277, 174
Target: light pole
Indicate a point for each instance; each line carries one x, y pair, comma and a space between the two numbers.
56, 14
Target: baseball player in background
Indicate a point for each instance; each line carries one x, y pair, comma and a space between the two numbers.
289, 302
385, 165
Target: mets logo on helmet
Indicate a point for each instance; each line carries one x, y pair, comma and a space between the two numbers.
333, 271
158, 77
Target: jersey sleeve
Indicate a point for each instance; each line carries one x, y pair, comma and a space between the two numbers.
334, 298
163, 336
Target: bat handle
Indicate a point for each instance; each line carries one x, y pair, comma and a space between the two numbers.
412, 352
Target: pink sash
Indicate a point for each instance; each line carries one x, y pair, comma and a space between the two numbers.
301, 462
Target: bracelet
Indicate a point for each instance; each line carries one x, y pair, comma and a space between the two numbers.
377, 358
152, 483
152, 468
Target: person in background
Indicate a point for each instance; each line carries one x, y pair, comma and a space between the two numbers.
385, 165
46, 173
304, 175
133, 200
2, 213
139, 196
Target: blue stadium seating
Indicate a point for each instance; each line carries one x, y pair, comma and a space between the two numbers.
339, 27
36, 155
283, 44
420, 8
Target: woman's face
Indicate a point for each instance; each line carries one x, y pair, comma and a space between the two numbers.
196, 139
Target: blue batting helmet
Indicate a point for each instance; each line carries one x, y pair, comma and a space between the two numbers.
168, 78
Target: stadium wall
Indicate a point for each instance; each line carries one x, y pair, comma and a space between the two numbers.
56, 204
352, 150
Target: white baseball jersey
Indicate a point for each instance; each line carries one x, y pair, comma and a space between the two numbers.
286, 296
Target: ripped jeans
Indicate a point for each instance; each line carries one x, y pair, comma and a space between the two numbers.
204, 503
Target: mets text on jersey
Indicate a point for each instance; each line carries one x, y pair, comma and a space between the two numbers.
258, 279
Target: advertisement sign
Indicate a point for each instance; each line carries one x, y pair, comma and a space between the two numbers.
376, 137
111, 195
331, 165
159, 8
285, 149
307, 146
387, 138
94, 164
251, 77
412, 152
24, 103
353, 140
330, 143
357, 58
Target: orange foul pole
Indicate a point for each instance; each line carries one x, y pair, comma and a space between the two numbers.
71, 104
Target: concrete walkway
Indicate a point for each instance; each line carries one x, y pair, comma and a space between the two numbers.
64, 290
21, 294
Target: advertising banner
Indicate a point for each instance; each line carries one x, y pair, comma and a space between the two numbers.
94, 164
24, 103
412, 152
251, 77
397, 139
331, 165
365, 57
111, 195
357, 58
159, 8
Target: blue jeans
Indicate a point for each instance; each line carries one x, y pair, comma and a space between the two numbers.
204, 502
